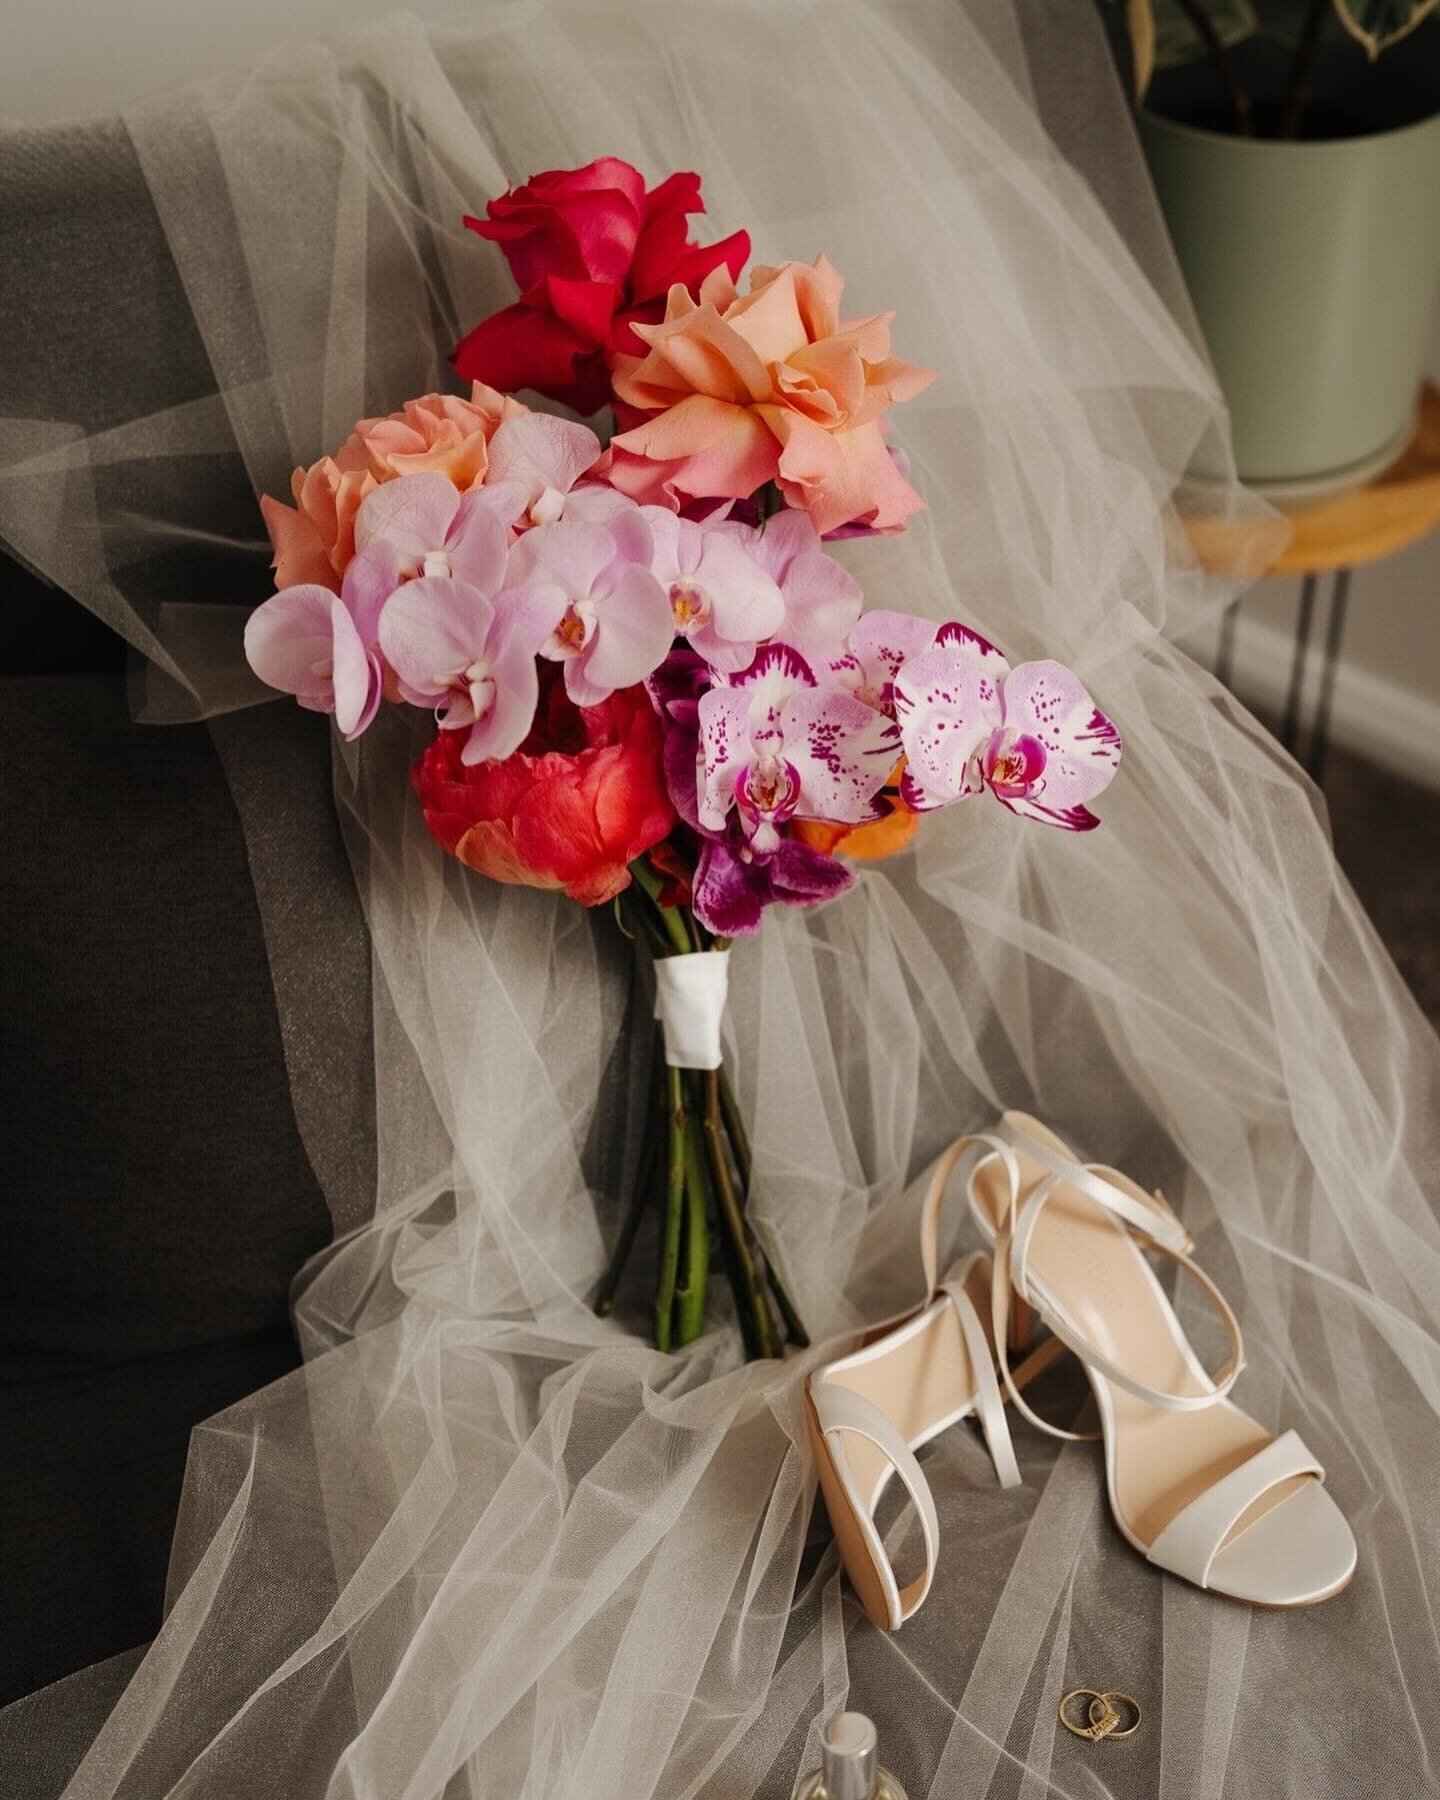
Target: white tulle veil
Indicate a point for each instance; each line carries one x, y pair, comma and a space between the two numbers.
483, 1543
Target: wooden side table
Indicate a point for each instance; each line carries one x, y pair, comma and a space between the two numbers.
1335, 537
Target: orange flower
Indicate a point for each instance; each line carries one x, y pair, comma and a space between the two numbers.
863, 843
315, 539
772, 386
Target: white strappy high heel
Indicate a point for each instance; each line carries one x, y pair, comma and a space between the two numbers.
1196, 1485
870, 1411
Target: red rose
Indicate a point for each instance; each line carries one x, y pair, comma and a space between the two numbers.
573, 807
593, 254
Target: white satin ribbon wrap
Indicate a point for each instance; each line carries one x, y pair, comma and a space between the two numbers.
690, 996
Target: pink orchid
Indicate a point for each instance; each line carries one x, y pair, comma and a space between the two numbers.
1032, 734
469, 656
604, 614
724, 603
305, 641
878, 645
822, 599
422, 525
536, 460
778, 746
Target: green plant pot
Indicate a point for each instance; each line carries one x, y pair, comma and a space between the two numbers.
1314, 268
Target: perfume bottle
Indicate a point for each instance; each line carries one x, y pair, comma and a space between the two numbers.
849, 1769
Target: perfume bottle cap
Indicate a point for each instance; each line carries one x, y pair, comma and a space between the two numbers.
847, 1757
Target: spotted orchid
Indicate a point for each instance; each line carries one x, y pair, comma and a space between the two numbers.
306, 641
775, 745
605, 616
1031, 735
723, 601
877, 647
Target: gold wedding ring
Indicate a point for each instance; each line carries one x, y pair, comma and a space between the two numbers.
1104, 1719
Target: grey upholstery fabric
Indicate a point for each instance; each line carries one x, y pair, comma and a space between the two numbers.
158, 1199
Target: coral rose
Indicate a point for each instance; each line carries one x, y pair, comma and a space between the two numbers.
593, 254
315, 539
571, 809
772, 386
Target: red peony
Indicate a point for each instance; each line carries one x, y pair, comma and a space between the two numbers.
572, 808
593, 254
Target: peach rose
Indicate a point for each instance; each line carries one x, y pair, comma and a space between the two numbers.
770, 386
315, 539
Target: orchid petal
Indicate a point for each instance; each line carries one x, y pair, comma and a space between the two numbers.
1074, 818
746, 601
1082, 747
634, 631
412, 515
541, 452
478, 540
947, 706
356, 674
842, 751
776, 673
430, 630
572, 554
972, 644
290, 644
369, 582
882, 641
725, 749
517, 691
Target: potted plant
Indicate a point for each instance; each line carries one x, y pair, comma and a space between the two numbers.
1299, 173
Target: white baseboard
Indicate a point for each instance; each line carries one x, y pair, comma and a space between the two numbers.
1393, 726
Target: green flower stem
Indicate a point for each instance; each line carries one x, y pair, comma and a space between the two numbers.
671, 917
740, 1149
674, 1208
751, 1293
690, 1292
735, 1127
641, 1194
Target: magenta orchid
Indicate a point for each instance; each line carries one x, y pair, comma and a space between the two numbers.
723, 601
305, 641
776, 746
604, 615
1031, 735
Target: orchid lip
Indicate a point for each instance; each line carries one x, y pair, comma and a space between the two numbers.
1014, 764
573, 632
690, 604
767, 793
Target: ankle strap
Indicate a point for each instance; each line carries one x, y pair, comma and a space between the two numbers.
1148, 1216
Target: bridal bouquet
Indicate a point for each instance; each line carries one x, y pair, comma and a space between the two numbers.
654, 685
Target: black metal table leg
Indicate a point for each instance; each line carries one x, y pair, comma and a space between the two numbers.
1290, 720
1334, 635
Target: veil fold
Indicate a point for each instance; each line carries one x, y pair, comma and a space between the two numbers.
483, 1543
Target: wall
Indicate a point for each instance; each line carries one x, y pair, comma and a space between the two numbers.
66, 57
